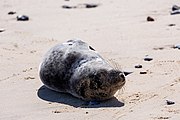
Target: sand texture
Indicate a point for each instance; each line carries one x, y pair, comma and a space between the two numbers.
118, 30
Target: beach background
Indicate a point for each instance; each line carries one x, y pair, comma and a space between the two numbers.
118, 30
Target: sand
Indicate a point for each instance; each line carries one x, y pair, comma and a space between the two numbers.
118, 30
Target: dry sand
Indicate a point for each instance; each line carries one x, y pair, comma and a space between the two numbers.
118, 30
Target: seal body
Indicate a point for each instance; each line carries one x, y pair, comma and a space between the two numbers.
75, 67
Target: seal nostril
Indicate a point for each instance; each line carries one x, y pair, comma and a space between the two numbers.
92, 48
122, 75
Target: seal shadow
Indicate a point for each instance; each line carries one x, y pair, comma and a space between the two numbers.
46, 94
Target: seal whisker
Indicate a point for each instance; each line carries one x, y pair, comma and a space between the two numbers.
114, 64
120, 91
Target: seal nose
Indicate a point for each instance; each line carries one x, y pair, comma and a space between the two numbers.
127, 73
122, 76
116, 76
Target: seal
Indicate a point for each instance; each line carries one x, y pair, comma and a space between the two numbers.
75, 67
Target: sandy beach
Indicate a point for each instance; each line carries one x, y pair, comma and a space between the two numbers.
118, 30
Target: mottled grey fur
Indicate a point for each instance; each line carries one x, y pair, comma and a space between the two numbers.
76, 68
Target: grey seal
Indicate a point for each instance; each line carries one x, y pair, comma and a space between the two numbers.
75, 67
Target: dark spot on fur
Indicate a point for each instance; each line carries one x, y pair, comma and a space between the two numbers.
93, 85
71, 58
83, 88
116, 76
102, 94
58, 77
70, 41
82, 91
92, 48
96, 82
97, 79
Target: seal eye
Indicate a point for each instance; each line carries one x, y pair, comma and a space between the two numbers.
92, 48
70, 40
70, 44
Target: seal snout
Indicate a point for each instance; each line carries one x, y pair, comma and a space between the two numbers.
116, 76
